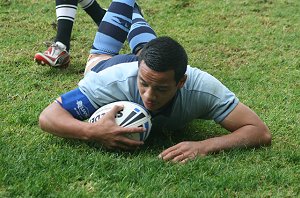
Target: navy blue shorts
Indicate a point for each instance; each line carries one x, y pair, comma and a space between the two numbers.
122, 58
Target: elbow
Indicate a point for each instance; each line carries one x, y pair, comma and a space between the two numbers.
43, 121
266, 137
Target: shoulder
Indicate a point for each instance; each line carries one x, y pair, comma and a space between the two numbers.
124, 69
116, 73
208, 97
114, 83
201, 81
122, 75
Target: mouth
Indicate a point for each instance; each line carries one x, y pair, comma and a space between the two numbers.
149, 104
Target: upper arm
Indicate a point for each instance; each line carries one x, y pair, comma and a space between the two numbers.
58, 121
70, 107
52, 113
241, 116
77, 104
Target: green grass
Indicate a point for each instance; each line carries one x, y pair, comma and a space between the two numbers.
253, 47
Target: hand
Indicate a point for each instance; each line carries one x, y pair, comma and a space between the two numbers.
110, 135
183, 152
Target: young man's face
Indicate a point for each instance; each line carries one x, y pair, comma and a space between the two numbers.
156, 88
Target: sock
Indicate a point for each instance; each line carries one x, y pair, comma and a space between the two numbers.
92, 8
114, 28
65, 14
140, 32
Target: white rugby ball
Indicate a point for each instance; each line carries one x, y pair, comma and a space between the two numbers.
132, 115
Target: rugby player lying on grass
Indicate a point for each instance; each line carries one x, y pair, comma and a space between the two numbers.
155, 75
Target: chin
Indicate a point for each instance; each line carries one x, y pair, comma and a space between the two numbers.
151, 108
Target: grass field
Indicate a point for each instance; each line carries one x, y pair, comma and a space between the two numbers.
252, 46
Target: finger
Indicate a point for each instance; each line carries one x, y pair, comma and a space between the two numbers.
132, 130
126, 147
180, 157
130, 142
113, 111
168, 151
171, 155
184, 161
119, 145
187, 157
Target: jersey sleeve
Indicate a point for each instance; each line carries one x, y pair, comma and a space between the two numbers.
77, 104
209, 98
220, 100
224, 106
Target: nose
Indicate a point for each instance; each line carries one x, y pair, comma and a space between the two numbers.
149, 94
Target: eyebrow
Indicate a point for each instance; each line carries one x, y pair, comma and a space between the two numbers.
156, 86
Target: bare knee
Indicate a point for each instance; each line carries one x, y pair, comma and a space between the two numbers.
93, 60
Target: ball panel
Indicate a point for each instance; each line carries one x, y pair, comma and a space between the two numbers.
135, 136
132, 117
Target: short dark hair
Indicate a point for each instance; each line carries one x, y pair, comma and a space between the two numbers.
163, 54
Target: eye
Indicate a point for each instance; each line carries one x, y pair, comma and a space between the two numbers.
143, 83
161, 89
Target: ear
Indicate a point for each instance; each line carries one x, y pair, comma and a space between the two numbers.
181, 81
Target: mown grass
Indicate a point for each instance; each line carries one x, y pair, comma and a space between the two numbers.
253, 47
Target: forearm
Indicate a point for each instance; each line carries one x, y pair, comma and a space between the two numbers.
245, 137
57, 121
247, 130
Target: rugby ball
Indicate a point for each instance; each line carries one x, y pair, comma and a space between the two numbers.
132, 115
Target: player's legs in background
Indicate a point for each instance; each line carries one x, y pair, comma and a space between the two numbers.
140, 32
57, 54
112, 32
114, 28
92, 8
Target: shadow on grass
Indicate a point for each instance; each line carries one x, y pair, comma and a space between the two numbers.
155, 144
75, 68
157, 141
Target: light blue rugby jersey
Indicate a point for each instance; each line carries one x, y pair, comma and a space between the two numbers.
202, 96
